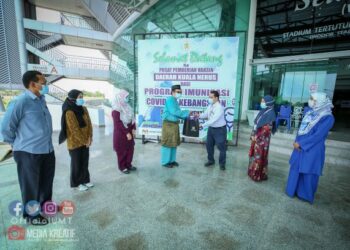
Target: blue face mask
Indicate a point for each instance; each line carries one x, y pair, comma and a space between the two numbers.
126, 100
210, 101
80, 102
263, 105
44, 90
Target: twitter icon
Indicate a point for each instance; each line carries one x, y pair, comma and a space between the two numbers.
32, 208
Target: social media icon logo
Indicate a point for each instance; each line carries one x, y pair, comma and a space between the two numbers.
16, 208
50, 208
67, 208
16, 233
32, 208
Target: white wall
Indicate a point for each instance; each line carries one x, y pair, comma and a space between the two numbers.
97, 116
249, 57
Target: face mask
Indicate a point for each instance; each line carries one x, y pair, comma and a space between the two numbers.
126, 100
210, 101
44, 89
311, 103
178, 95
80, 102
263, 105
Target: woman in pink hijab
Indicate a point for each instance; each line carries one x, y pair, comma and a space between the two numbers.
124, 131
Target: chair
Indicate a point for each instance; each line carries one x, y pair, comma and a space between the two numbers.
297, 115
284, 114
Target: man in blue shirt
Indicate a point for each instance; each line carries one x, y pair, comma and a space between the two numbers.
27, 127
217, 131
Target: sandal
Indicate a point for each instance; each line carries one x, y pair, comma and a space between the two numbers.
168, 165
132, 168
126, 171
175, 164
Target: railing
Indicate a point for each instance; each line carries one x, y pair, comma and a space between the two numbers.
87, 63
53, 78
81, 22
69, 61
118, 12
121, 72
57, 92
38, 43
126, 43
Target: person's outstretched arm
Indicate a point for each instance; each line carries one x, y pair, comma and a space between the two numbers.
175, 110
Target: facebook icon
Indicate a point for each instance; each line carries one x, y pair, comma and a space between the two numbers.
16, 208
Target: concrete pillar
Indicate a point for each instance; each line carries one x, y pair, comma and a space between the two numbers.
248, 58
21, 36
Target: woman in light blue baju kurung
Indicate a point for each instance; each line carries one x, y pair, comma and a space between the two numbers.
307, 159
170, 129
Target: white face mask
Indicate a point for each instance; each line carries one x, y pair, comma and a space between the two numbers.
178, 95
311, 103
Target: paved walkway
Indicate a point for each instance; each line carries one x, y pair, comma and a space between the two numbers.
189, 207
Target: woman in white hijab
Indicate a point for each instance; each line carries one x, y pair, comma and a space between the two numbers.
307, 159
124, 131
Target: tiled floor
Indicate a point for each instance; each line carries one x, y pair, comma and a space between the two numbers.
189, 207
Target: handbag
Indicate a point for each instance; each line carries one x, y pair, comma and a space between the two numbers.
191, 127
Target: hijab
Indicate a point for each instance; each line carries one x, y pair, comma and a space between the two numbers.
266, 115
323, 107
119, 104
69, 104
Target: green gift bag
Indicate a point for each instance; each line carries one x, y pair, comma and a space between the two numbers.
230, 136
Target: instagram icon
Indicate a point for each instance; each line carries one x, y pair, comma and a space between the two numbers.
50, 208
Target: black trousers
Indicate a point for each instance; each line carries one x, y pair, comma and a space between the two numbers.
35, 176
79, 166
217, 136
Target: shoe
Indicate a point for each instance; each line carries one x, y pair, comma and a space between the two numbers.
89, 185
174, 163
38, 221
168, 165
82, 187
222, 167
208, 164
126, 171
132, 168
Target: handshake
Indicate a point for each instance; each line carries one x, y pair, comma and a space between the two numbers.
194, 114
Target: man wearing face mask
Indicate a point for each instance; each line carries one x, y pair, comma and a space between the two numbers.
170, 129
27, 127
76, 127
217, 131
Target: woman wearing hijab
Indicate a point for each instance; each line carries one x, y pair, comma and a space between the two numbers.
124, 132
76, 128
307, 159
264, 125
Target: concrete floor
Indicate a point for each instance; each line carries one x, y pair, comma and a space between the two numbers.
190, 207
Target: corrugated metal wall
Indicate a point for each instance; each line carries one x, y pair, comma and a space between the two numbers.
10, 67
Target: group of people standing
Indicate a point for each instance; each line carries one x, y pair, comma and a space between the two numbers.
308, 156
307, 159
27, 127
